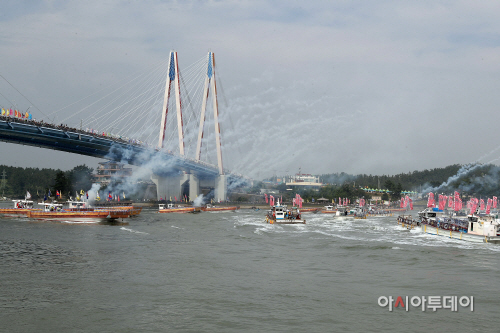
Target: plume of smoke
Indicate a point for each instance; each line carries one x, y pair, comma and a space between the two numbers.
239, 182
93, 193
462, 172
469, 180
198, 201
157, 163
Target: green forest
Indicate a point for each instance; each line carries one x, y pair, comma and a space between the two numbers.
15, 182
471, 180
474, 180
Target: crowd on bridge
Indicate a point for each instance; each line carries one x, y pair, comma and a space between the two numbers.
24, 119
64, 127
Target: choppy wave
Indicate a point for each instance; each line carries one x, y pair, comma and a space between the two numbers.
380, 229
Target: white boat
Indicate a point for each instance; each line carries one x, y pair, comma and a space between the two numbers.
55, 212
171, 208
474, 228
329, 210
280, 214
430, 213
360, 212
343, 213
21, 208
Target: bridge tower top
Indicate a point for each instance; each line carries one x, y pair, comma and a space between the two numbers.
210, 84
172, 79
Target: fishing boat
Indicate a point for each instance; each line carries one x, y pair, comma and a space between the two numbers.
210, 208
329, 209
123, 210
360, 213
309, 210
476, 228
171, 208
376, 212
482, 228
343, 213
279, 214
430, 213
55, 212
21, 208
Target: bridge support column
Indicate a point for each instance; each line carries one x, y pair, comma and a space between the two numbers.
194, 187
168, 187
220, 188
172, 186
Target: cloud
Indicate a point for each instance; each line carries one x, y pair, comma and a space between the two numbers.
371, 87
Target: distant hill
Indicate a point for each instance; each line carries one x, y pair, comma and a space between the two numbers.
473, 179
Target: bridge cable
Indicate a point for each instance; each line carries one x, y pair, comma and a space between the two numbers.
36, 107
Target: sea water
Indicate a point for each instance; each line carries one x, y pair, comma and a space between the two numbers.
232, 272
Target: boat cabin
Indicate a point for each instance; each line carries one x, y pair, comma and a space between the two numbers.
485, 225
430, 213
279, 212
25, 204
168, 206
342, 211
360, 211
52, 207
77, 204
329, 208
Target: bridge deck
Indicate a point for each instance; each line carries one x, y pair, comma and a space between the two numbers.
49, 136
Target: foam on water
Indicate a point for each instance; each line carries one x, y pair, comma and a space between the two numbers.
173, 226
384, 229
133, 231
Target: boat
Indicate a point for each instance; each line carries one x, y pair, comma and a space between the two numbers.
309, 210
55, 212
378, 211
343, 213
171, 208
329, 210
210, 208
279, 214
429, 213
360, 213
482, 228
123, 210
21, 208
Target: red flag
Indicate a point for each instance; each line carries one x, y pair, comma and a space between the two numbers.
431, 203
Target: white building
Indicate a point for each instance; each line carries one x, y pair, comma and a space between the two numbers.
302, 179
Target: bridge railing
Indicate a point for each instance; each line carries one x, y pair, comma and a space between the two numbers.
67, 129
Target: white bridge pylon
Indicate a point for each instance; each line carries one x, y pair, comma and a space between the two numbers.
210, 84
173, 75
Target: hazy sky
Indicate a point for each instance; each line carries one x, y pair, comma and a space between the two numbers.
376, 87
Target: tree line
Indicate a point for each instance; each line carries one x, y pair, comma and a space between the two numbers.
15, 182
471, 180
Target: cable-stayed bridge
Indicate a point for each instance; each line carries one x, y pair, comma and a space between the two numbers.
149, 121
